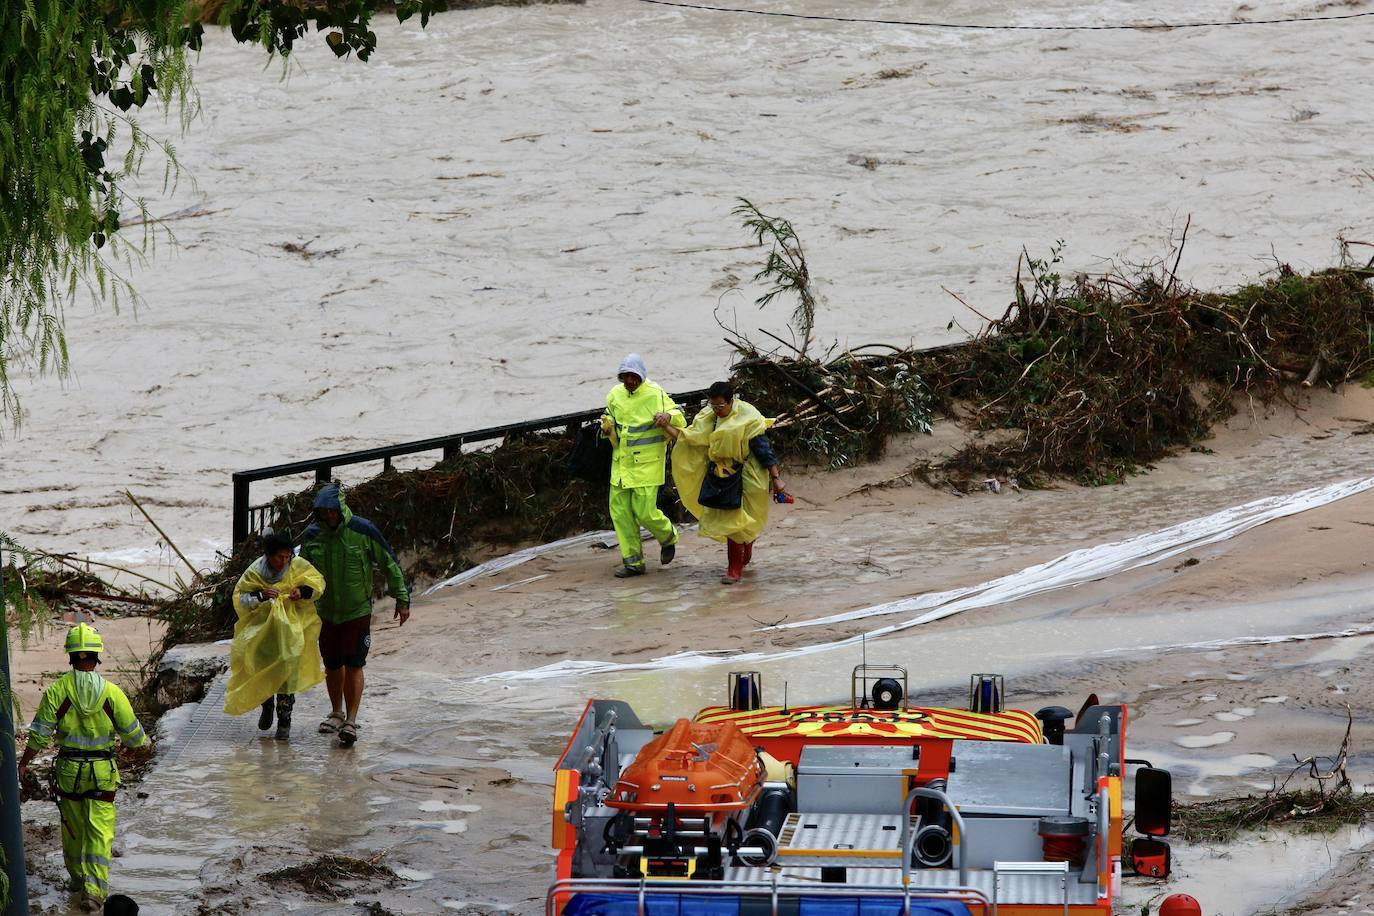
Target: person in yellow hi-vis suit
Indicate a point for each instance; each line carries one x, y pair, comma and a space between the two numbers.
85, 715
276, 651
635, 409
729, 443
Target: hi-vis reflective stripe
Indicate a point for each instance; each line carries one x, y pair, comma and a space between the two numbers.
92, 645
96, 860
42, 727
917, 722
99, 744
647, 440
133, 736
641, 428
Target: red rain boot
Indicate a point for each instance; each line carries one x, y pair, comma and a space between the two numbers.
748, 550
735, 553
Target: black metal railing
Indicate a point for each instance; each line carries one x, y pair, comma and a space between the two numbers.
249, 519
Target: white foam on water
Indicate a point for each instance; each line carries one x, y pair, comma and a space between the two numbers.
431, 806
1274, 699
1212, 740
453, 826
1186, 723
1257, 872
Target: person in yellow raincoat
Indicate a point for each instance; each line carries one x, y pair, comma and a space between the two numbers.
84, 715
635, 409
275, 652
729, 439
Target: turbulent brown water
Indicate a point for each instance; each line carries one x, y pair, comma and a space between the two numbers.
494, 209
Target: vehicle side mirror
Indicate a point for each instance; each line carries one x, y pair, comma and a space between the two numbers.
1154, 801
1150, 858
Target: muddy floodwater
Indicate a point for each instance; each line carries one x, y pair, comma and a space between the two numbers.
473, 227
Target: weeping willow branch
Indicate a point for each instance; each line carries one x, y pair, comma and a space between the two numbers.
71, 71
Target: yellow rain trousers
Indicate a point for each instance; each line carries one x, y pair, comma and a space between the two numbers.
276, 644
632, 507
719, 446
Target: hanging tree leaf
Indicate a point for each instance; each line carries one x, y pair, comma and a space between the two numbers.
72, 74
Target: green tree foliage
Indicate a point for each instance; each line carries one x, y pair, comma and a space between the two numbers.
73, 75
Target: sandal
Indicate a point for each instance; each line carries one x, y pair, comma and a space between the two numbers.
331, 723
348, 734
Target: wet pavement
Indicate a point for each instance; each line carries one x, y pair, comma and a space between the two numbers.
430, 776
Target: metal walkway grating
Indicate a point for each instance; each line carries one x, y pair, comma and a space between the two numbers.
210, 730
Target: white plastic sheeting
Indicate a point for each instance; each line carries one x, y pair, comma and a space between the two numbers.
1069, 570
1093, 563
491, 567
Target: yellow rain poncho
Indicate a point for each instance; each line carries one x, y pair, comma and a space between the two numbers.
276, 645
718, 446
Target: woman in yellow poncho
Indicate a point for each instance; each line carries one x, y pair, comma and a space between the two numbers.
275, 652
726, 474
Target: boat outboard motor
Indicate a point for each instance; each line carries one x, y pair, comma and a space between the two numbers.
1052, 719
934, 844
887, 693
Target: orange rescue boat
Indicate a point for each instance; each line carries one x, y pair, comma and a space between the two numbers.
694, 766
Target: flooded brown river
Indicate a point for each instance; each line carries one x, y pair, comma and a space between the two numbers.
491, 212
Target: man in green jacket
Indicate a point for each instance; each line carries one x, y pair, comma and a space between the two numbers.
345, 547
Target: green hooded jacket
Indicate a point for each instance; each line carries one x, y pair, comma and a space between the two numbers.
346, 556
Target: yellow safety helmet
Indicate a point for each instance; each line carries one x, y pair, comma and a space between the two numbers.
83, 638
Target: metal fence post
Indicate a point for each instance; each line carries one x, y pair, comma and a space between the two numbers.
11, 821
241, 484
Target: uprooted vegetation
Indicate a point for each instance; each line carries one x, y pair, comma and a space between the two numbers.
1098, 379
333, 876
1328, 804
1090, 380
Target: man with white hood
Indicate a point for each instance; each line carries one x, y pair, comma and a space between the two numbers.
86, 716
634, 410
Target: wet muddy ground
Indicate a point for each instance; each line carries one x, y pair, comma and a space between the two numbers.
1230, 665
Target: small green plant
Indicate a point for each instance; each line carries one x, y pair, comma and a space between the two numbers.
785, 268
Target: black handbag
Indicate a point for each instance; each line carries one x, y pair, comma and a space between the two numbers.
722, 492
591, 455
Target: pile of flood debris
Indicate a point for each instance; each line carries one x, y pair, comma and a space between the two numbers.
1085, 378
1091, 379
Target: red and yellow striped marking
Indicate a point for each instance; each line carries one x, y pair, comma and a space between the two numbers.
844, 721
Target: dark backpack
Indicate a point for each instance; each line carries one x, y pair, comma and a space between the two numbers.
591, 455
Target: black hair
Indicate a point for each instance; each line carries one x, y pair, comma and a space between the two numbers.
275, 542
721, 390
120, 905
74, 657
